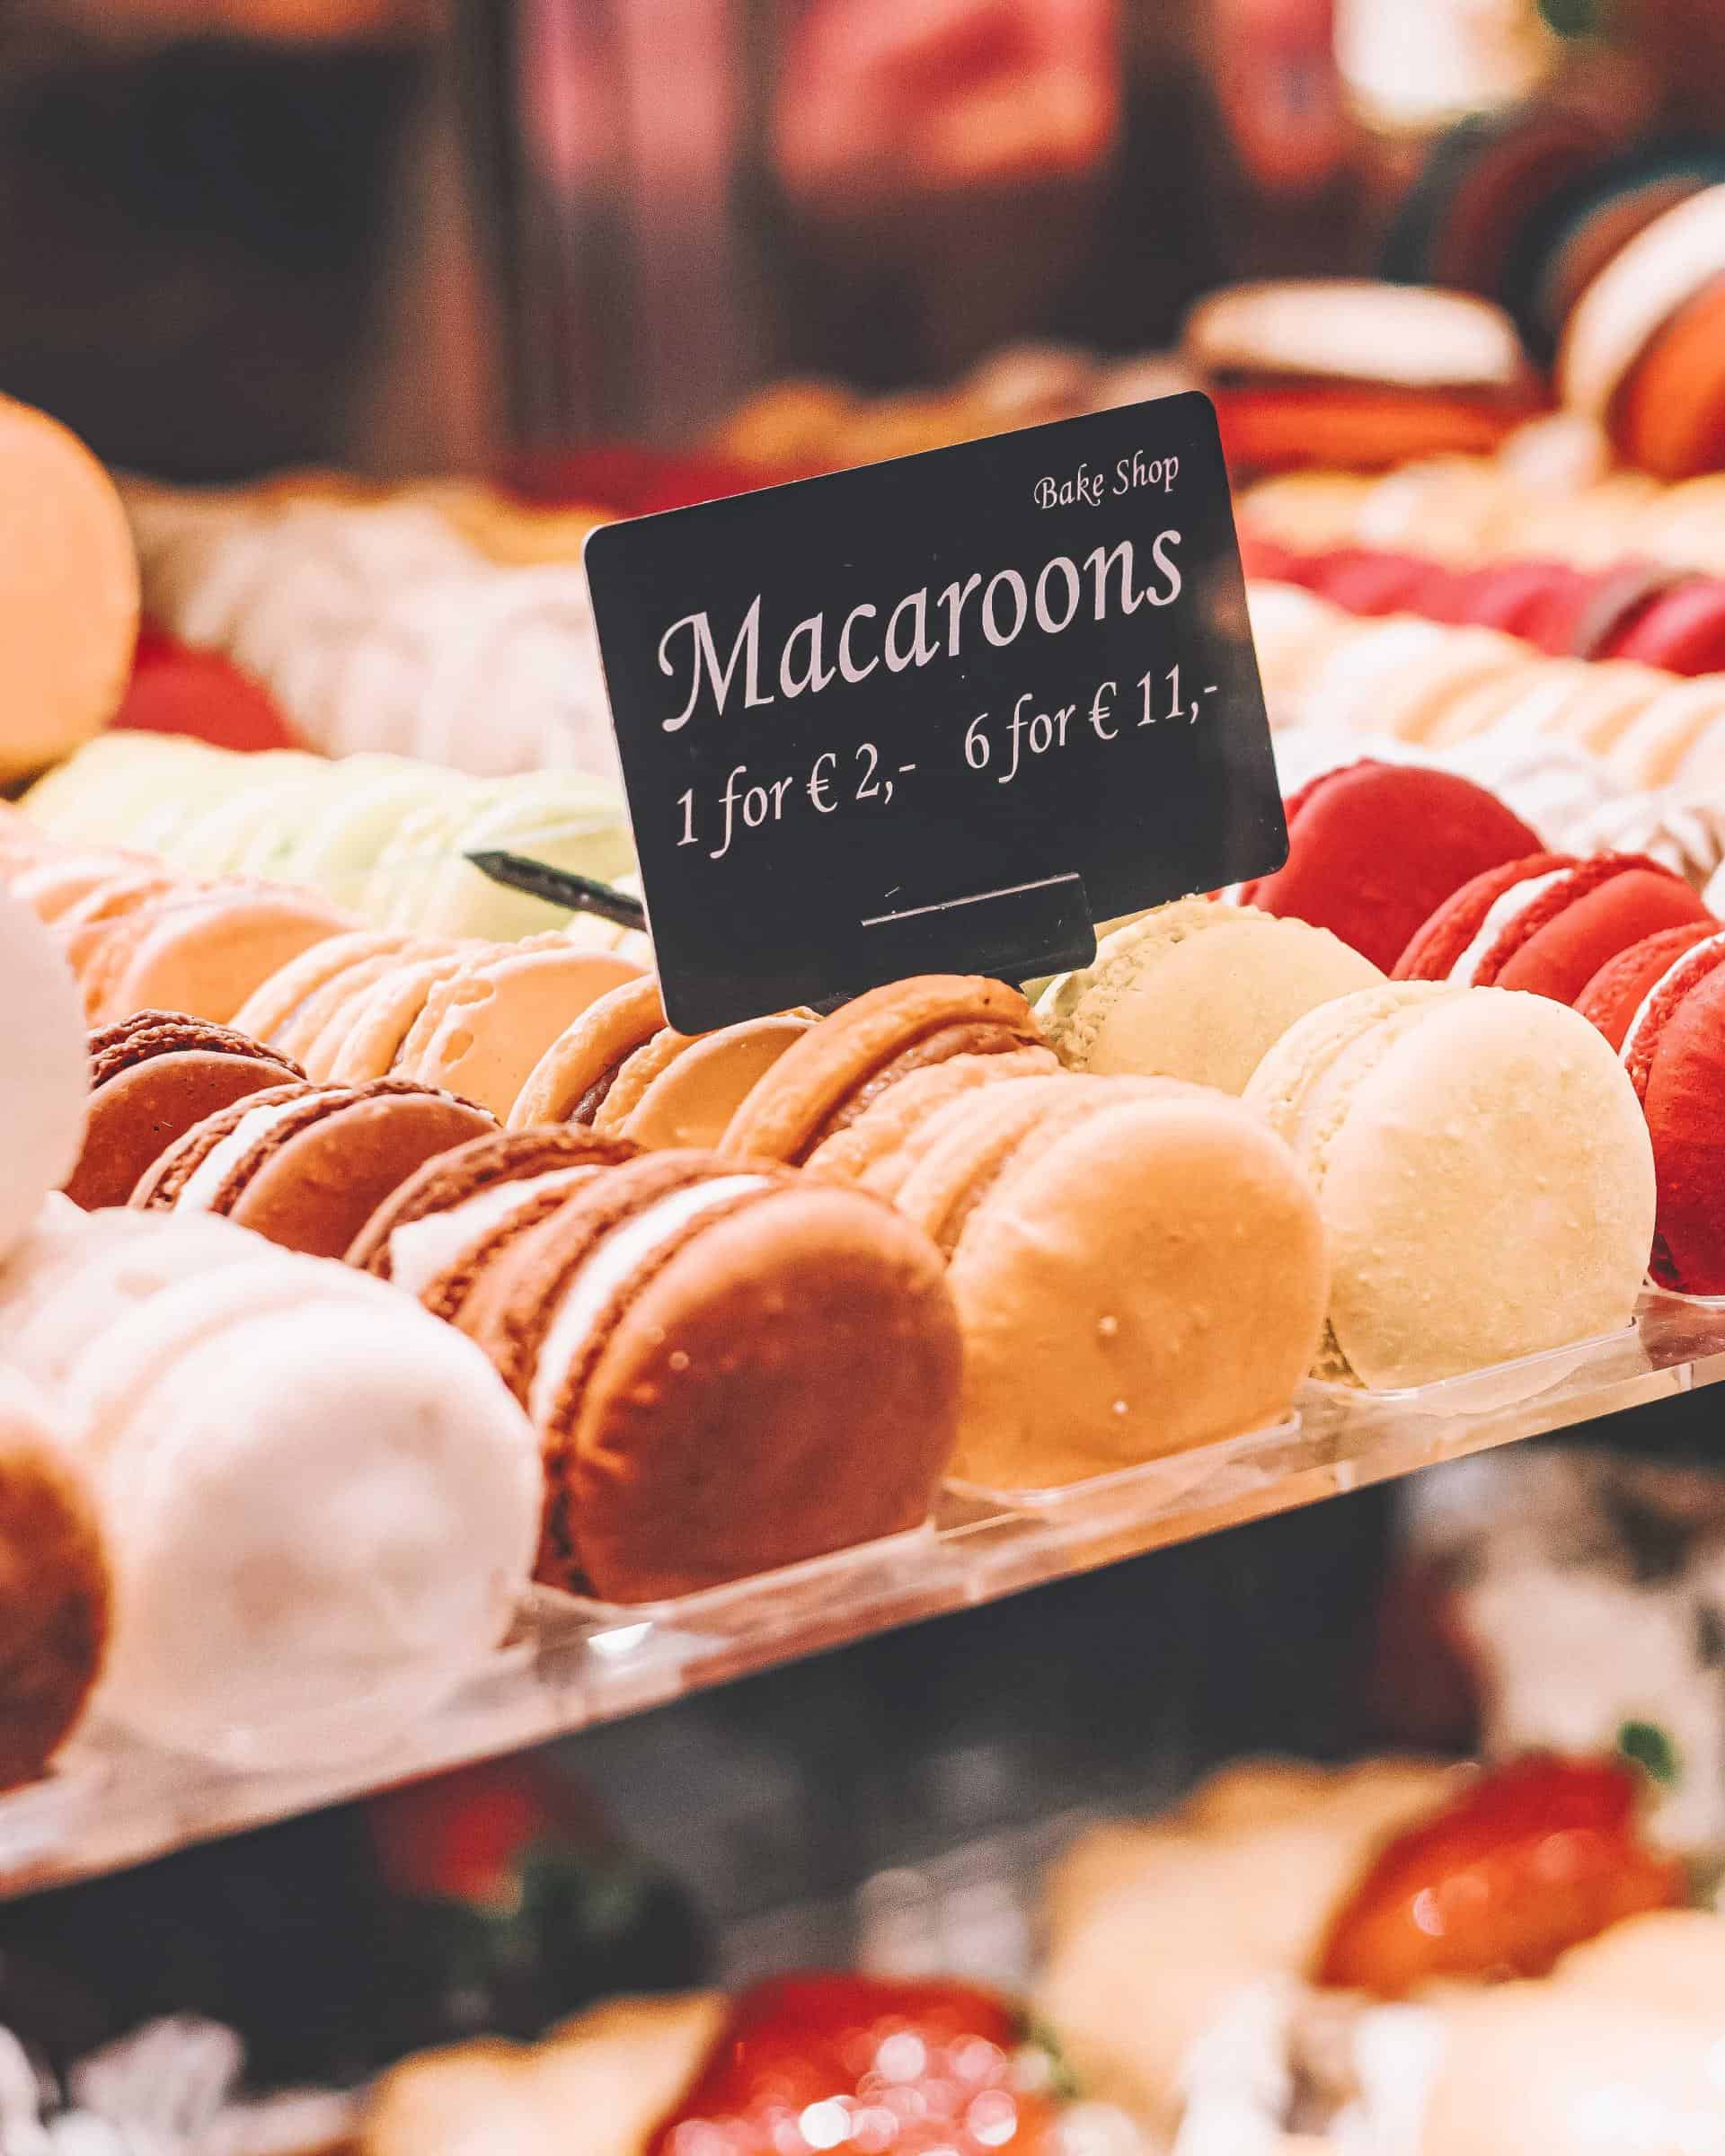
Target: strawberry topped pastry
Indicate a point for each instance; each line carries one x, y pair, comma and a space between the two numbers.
1549, 922
864, 2066
1525, 1862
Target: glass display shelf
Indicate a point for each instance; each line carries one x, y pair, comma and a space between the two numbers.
570, 1664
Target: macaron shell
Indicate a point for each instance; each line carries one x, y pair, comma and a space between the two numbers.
1670, 416
1617, 991
1198, 991
319, 1032
1437, 947
785, 1114
879, 1148
1683, 631
449, 1179
69, 603
274, 1004
1650, 753
207, 956
1155, 1279
610, 1029
693, 1099
786, 1385
316, 1190
139, 1114
485, 1028
1375, 849
1515, 1124
377, 1021
1560, 957
55, 1587
1676, 1062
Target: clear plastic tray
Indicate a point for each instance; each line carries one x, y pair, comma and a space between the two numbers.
571, 1663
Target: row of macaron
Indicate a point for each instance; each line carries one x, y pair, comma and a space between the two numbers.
1545, 496
1431, 684
1660, 616
384, 836
374, 625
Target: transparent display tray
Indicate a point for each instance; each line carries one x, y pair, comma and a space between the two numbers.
571, 1664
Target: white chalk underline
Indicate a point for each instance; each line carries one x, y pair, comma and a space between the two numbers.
945, 905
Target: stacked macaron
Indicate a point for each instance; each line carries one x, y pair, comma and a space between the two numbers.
1436, 686
167, 1441
1551, 496
304, 1511
379, 624
383, 836
731, 1367
1483, 1173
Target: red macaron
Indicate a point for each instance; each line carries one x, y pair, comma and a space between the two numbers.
1674, 1051
1681, 629
1618, 989
1374, 848
1366, 579
1549, 923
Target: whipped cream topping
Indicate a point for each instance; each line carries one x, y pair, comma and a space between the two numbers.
1507, 908
619, 1254
202, 1186
419, 1249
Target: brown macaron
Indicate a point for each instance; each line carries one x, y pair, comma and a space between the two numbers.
307, 1166
732, 1368
56, 1590
1139, 1267
842, 1065
152, 1078
502, 1171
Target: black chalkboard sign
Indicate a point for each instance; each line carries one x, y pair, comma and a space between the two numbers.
939, 714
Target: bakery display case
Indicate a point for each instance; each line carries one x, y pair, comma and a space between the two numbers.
1128, 1562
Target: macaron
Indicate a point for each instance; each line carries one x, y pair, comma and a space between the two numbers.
1672, 731
1612, 998
56, 1587
1374, 850
570, 1079
45, 1081
152, 1078
204, 951
69, 602
731, 1369
307, 1166
683, 1090
1635, 296
364, 1035
881, 1146
1681, 628
1484, 1175
484, 1026
1548, 923
1138, 1267
1195, 990
1673, 1053
1669, 418
276, 1003
330, 1505
435, 1224
828, 1078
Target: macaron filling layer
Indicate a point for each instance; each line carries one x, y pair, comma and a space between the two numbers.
204, 1188
1503, 914
419, 1249
1640, 1042
607, 1270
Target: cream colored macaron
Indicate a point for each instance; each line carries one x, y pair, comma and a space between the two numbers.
1484, 1171
1195, 990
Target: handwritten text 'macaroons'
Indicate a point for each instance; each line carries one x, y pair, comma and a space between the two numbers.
923, 626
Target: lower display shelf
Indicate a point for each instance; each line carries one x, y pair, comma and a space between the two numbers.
572, 1664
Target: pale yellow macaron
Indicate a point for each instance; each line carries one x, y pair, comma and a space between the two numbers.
1196, 990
